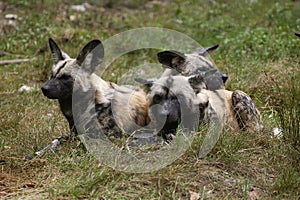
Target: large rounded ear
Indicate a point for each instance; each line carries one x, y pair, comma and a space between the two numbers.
298, 34
57, 53
206, 50
91, 56
171, 58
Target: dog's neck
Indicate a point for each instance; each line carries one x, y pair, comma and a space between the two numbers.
66, 108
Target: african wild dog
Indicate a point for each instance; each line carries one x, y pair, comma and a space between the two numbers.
178, 63
167, 99
234, 109
119, 109
198, 62
61, 82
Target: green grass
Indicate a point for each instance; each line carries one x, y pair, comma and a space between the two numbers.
258, 50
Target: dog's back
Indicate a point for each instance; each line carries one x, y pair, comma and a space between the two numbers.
127, 109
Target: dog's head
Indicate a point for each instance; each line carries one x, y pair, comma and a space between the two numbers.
198, 63
173, 99
65, 69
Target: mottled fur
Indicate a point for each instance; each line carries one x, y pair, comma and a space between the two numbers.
246, 112
170, 98
128, 107
235, 110
118, 108
197, 63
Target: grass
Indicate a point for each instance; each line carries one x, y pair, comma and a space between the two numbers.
258, 50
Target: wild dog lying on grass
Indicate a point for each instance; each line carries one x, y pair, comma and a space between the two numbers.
119, 108
197, 62
235, 109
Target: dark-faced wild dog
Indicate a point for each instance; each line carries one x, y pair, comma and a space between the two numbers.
119, 109
169, 100
197, 62
235, 110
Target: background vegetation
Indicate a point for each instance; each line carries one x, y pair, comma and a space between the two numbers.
258, 50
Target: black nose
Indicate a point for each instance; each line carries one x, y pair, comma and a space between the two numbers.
45, 89
224, 78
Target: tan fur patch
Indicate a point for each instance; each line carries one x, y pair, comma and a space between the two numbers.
129, 107
236, 109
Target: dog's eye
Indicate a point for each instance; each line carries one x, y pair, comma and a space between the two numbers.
157, 98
